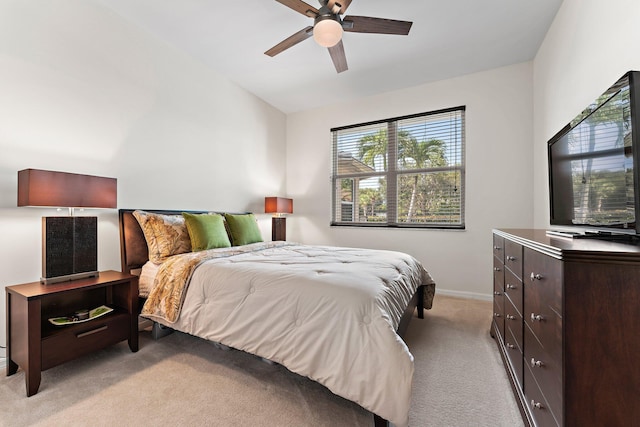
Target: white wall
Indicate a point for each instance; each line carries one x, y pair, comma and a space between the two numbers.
589, 46
83, 91
498, 173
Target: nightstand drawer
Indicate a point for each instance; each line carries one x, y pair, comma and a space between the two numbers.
81, 339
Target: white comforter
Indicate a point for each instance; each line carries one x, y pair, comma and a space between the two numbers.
327, 313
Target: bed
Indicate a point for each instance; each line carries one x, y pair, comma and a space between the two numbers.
333, 314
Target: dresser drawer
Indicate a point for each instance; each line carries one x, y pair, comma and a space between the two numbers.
498, 314
543, 283
513, 257
545, 362
546, 327
513, 322
538, 405
498, 276
498, 247
85, 338
513, 289
514, 353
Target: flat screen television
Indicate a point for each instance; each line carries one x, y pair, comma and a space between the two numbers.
594, 165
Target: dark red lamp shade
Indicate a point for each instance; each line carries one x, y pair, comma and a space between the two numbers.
61, 189
278, 205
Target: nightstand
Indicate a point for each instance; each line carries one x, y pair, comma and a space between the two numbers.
35, 345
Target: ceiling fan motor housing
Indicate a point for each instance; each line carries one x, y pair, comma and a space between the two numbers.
327, 27
335, 8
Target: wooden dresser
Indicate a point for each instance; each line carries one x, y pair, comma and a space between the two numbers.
567, 323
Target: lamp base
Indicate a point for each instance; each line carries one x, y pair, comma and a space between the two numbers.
278, 228
68, 277
69, 248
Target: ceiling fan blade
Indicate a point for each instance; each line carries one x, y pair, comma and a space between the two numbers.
344, 4
292, 40
367, 24
301, 7
338, 57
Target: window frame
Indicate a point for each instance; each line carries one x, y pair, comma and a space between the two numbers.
393, 172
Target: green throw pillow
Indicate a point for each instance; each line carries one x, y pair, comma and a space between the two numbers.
206, 231
243, 229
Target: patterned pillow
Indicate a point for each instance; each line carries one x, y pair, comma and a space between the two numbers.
166, 235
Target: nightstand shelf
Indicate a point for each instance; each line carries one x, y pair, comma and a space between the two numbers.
34, 344
49, 330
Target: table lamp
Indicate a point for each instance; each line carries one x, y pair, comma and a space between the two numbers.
69, 243
279, 207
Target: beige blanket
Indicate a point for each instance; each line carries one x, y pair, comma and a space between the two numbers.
172, 279
327, 313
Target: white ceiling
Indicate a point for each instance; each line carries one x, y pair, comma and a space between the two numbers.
449, 38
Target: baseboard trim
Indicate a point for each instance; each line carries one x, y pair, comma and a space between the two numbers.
464, 294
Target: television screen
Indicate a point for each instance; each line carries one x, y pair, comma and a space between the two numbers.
591, 165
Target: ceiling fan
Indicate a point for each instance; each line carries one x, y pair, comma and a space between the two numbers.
328, 27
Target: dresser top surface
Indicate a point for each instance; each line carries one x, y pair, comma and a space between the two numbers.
567, 247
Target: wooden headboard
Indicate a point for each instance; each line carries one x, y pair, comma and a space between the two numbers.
133, 246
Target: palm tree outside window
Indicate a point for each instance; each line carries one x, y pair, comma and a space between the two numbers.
401, 172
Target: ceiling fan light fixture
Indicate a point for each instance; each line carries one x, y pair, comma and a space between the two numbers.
328, 28
327, 31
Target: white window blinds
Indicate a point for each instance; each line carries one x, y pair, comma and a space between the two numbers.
401, 172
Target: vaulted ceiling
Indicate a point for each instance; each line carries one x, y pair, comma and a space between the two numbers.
448, 38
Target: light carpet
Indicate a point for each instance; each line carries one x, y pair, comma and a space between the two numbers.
182, 380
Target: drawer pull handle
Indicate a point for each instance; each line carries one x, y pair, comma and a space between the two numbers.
511, 258
537, 317
511, 317
535, 276
509, 286
496, 268
536, 363
497, 293
536, 405
511, 346
91, 332
497, 248
496, 314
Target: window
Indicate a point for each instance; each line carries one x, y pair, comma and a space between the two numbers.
401, 172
